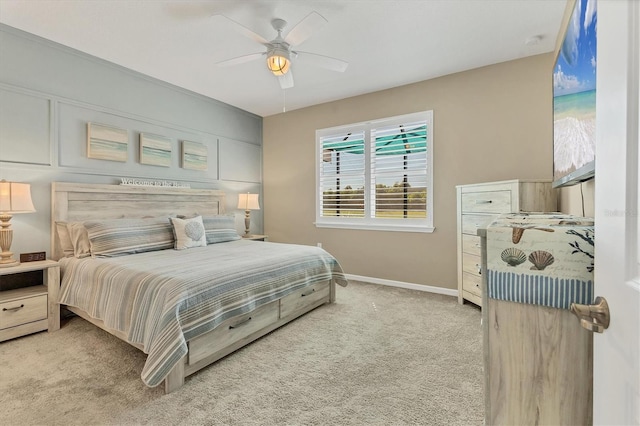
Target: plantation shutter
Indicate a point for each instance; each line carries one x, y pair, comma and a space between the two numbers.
342, 175
376, 174
399, 171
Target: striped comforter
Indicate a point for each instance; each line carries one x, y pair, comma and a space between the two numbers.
162, 299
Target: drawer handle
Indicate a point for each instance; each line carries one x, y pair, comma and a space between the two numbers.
484, 201
241, 323
306, 294
479, 269
15, 308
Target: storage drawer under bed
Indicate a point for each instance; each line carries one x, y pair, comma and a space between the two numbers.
298, 301
232, 330
240, 327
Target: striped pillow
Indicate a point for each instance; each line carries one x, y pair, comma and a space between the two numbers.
221, 235
220, 229
116, 237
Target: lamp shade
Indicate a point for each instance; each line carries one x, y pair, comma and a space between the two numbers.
15, 197
248, 201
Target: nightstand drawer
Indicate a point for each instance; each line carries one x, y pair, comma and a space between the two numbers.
23, 310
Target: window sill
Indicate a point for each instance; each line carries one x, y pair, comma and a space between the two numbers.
375, 227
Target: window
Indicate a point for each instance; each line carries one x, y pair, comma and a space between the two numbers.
376, 175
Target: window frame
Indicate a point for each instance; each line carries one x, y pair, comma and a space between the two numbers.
368, 222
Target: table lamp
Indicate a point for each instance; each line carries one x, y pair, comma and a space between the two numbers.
15, 197
248, 202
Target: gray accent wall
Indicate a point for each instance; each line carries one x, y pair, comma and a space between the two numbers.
48, 94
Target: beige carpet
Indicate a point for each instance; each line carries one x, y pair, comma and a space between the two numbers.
378, 356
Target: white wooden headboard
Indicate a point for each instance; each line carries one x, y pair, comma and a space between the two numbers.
71, 202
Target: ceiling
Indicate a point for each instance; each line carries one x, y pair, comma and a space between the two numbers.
388, 43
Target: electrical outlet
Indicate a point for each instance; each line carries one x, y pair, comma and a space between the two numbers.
320, 245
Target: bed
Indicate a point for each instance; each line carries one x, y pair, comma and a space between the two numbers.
186, 307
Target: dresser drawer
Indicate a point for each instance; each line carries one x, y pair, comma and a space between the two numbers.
301, 299
471, 244
471, 264
472, 283
232, 330
471, 222
22, 311
487, 202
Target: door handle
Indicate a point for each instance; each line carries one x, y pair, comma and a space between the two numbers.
595, 317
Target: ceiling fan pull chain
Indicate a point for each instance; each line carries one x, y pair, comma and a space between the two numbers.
284, 100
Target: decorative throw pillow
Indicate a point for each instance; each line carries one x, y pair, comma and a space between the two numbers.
79, 239
221, 235
188, 233
64, 239
220, 229
117, 237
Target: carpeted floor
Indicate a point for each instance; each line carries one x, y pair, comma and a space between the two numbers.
378, 356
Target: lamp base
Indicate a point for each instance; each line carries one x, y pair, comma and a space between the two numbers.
6, 236
12, 262
247, 223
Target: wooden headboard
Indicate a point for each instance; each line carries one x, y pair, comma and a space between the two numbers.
71, 202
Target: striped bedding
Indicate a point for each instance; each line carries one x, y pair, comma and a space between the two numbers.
163, 298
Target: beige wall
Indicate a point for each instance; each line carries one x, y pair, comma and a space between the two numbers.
491, 123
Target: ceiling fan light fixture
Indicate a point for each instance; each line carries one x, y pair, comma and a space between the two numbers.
278, 62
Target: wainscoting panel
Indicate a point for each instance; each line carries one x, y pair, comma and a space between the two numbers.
25, 127
240, 161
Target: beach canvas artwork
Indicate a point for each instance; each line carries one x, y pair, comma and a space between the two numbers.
194, 156
155, 150
107, 143
574, 93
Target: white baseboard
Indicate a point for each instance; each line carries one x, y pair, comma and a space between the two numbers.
391, 283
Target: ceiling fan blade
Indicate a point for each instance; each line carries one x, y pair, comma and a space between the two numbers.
327, 62
241, 59
303, 30
286, 81
247, 32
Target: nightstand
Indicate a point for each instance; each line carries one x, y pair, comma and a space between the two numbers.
256, 237
33, 308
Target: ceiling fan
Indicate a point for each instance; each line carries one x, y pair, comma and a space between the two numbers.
279, 52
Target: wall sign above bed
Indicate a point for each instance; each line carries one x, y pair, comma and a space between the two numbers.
153, 182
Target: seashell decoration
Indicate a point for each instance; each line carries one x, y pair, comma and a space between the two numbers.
516, 235
513, 256
540, 259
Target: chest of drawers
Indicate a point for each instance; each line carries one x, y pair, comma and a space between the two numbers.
478, 205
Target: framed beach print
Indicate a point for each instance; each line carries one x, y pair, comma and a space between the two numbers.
107, 142
574, 98
155, 150
194, 156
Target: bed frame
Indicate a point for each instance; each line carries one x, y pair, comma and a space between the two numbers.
79, 202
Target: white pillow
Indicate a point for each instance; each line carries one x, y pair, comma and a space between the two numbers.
188, 232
